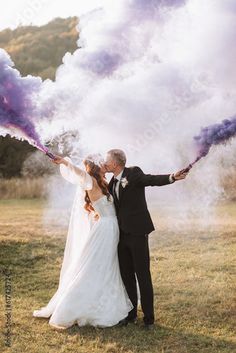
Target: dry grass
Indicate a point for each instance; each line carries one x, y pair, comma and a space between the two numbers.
31, 188
193, 273
229, 185
22, 188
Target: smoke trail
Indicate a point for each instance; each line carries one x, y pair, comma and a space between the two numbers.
17, 108
214, 135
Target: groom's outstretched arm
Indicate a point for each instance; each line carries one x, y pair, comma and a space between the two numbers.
142, 179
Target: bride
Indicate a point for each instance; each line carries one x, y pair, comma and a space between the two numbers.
90, 291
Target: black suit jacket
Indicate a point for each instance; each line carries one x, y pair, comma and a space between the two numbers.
132, 212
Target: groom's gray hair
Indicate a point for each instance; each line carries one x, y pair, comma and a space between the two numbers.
119, 156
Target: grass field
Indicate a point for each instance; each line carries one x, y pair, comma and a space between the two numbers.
194, 275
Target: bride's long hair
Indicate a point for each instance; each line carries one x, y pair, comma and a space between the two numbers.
94, 170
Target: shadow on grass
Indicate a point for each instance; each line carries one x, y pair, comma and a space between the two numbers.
19, 255
34, 266
162, 339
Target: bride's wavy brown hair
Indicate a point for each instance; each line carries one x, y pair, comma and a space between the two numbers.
94, 171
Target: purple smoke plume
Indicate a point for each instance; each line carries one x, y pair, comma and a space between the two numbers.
215, 134
17, 107
114, 47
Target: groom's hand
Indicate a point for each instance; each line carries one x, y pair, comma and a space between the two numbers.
180, 175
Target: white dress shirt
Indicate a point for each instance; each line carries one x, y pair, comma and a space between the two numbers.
118, 183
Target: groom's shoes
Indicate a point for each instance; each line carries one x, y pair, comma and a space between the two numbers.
149, 327
132, 321
127, 321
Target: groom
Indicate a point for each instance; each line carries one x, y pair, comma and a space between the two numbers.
128, 189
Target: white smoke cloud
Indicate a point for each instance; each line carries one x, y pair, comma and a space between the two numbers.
148, 76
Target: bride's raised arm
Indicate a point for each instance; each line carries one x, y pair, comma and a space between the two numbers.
73, 173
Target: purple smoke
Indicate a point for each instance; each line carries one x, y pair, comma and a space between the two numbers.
148, 9
214, 135
17, 107
117, 44
102, 63
147, 4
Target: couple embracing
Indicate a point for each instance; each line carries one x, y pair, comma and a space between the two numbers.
107, 249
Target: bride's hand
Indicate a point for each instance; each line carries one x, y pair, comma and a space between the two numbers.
60, 160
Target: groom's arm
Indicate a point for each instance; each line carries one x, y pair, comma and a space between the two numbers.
142, 179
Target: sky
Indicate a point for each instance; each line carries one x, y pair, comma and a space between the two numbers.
39, 12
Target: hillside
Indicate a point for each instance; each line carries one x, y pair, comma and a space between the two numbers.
39, 50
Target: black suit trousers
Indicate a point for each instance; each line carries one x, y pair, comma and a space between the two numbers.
134, 259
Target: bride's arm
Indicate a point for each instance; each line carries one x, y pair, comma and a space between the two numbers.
67, 162
73, 173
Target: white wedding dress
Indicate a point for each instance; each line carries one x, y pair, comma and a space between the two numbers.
90, 291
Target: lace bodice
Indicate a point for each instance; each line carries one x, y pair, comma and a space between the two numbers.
104, 207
